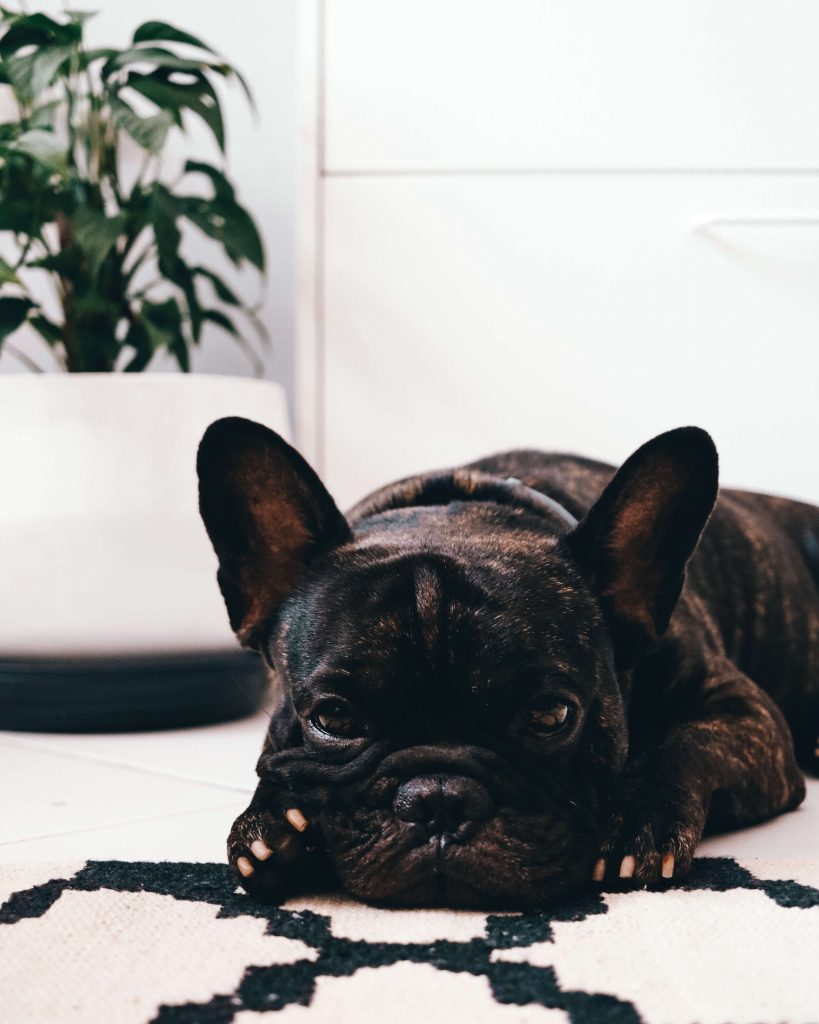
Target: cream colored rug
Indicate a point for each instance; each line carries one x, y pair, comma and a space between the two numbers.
126, 943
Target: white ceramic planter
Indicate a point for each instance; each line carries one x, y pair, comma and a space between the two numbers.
103, 558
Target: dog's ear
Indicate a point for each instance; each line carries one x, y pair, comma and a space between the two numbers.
267, 515
635, 541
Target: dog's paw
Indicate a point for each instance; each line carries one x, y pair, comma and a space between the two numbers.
272, 852
649, 840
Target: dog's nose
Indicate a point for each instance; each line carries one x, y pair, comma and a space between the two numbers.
442, 802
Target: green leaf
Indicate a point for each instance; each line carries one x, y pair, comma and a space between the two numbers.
180, 275
19, 36
13, 313
215, 316
184, 279
51, 332
93, 304
85, 58
96, 234
22, 218
198, 96
163, 214
43, 146
148, 132
229, 224
240, 78
179, 350
139, 339
230, 298
163, 322
44, 116
32, 74
223, 293
7, 273
37, 30
162, 58
66, 263
94, 332
151, 31
222, 188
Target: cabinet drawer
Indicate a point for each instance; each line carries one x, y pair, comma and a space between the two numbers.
467, 315
517, 84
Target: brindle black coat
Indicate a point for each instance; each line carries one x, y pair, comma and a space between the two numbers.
445, 606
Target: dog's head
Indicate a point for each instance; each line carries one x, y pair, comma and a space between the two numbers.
450, 659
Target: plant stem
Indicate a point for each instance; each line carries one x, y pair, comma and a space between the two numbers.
24, 251
144, 291
252, 356
140, 259
23, 358
69, 339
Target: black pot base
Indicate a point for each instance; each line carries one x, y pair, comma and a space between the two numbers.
129, 693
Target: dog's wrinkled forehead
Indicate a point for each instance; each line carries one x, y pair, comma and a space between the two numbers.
462, 613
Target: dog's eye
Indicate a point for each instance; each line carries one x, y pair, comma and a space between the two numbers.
548, 717
335, 718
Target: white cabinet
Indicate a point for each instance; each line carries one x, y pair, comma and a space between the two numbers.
469, 315
611, 230
505, 84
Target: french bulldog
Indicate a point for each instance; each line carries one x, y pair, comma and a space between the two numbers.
500, 683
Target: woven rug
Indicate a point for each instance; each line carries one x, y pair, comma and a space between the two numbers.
128, 943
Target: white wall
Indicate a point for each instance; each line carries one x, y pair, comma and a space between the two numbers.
258, 36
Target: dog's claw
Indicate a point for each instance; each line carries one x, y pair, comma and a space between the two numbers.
260, 849
296, 819
627, 866
668, 865
599, 872
269, 851
245, 867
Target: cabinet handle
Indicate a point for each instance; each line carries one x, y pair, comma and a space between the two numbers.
776, 219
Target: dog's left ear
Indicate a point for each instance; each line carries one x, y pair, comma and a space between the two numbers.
635, 541
267, 515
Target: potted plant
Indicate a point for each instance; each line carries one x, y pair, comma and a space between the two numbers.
96, 231
105, 232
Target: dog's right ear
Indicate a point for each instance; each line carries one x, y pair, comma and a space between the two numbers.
267, 515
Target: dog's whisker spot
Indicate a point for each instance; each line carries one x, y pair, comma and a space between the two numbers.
260, 849
627, 866
296, 819
245, 867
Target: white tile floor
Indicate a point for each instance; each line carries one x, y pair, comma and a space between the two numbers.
135, 796
172, 796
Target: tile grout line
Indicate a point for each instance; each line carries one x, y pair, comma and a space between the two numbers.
57, 751
112, 825
557, 171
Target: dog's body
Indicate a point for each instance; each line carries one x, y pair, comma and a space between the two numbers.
483, 703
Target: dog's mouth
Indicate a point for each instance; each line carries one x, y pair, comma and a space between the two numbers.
503, 861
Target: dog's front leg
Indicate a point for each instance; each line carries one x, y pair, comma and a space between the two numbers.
275, 851
727, 761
